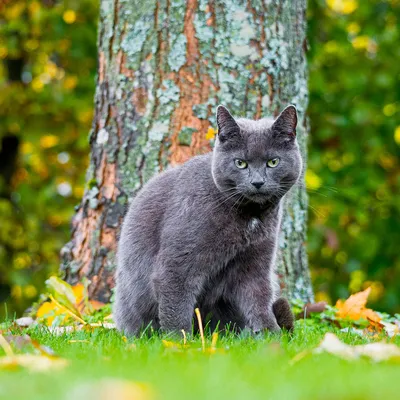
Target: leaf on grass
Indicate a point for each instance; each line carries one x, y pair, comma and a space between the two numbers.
354, 308
67, 302
379, 351
21, 342
391, 329
62, 292
82, 302
111, 389
32, 362
43, 362
48, 312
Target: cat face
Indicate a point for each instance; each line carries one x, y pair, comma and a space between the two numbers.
258, 160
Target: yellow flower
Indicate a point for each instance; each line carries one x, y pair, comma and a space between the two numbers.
69, 16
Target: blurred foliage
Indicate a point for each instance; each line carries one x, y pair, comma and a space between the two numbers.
48, 54
354, 152
47, 81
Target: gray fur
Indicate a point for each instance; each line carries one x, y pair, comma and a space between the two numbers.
202, 235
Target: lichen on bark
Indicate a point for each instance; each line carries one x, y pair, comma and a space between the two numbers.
164, 66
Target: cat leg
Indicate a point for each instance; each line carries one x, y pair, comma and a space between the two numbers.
253, 292
176, 295
283, 314
134, 309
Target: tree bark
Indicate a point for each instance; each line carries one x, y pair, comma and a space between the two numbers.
163, 68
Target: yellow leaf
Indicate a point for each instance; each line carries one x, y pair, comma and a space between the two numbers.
48, 312
210, 133
379, 351
354, 307
38, 363
110, 389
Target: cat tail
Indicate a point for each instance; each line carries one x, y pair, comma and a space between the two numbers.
283, 314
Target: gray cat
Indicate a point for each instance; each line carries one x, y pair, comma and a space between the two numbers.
205, 234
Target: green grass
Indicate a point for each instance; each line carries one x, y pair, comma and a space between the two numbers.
244, 368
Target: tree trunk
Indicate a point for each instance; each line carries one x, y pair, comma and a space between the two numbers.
164, 66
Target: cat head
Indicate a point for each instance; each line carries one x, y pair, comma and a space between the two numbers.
257, 159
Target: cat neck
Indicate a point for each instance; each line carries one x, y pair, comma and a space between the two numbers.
257, 210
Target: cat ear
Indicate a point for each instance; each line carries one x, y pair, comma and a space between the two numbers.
286, 122
227, 126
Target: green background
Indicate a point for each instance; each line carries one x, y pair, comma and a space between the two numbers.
47, 80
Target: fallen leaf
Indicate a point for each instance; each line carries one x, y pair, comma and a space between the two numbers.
111, 389
379, 351
48, 312
354, 308
32, 362
390, 329
66, 302
62, 292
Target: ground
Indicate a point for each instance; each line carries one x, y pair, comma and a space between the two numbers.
273, 367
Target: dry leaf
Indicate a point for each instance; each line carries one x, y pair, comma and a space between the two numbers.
354, 308
379, 351
84, 305
111, 389
33, 362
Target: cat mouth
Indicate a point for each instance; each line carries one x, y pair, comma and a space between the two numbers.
259, 197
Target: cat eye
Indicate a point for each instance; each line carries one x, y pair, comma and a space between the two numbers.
273, 162
241, 164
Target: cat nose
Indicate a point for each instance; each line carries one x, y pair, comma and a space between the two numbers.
257, 185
